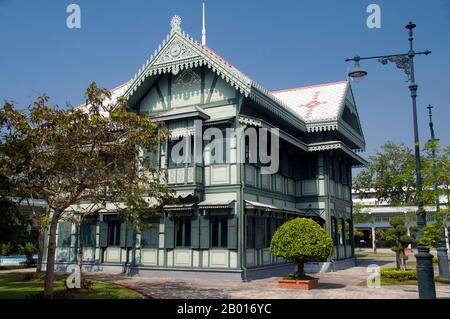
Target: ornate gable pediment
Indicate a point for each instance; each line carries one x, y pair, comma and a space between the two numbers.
176, 50
179, 52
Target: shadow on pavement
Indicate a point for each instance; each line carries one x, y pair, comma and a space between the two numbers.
325, 285
178, 290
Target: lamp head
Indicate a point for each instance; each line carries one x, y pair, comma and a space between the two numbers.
357, 73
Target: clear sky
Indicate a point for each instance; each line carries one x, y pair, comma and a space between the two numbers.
280, 44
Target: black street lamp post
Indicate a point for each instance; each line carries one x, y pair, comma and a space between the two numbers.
405, 61
442, 244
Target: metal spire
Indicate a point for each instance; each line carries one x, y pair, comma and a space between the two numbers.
429, 107
203, 26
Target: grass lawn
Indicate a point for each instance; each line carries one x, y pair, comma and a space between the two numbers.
414, 264
390, 281
394, 281
13, 286
371, 254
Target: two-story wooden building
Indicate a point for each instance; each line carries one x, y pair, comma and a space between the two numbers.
230, 210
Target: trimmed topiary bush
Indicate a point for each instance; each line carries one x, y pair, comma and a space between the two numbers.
301, 240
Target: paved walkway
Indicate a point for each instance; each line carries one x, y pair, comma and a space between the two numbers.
344, 284
18, 270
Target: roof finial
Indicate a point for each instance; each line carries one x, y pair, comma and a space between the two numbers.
203, 26
175, 23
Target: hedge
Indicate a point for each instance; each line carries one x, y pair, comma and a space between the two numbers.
401, 275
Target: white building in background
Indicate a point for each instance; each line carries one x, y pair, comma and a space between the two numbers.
381, 213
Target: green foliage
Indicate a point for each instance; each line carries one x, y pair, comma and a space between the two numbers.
398, 234
358, 234
392, 173
301, 240
359, 216
28, 249
14, 287
86, 284
13, 223
5, 249
400, 275
90, 154
436, 176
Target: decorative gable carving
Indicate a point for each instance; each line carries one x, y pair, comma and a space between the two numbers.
175, 51
187, 77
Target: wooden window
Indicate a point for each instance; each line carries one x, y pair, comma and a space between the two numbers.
214, 145
309, 169
250, 231
64, 234
333, 230
219, 231
89, 231
149, 237
152, 158
267, 227
183, 231
114, 233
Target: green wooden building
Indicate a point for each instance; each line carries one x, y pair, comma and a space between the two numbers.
230, 210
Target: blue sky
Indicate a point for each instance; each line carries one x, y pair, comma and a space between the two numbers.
280, 44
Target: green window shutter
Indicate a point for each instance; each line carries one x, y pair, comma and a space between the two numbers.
123, 229
273, 226
103, 234
152, 158
195, 232
64, 234
169, 240
89, 234
204, 232
232, 232
149, 237
258, 232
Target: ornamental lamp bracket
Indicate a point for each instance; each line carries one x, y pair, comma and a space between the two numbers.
401, 61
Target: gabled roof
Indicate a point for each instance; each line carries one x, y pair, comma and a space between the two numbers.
312, 108
321, 102
115, 94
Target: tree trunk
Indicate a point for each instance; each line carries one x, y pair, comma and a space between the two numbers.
41, 242
50, 272
80, 250
402, 260
300, 269
397, 259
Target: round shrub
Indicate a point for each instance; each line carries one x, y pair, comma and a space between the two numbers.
301, 240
